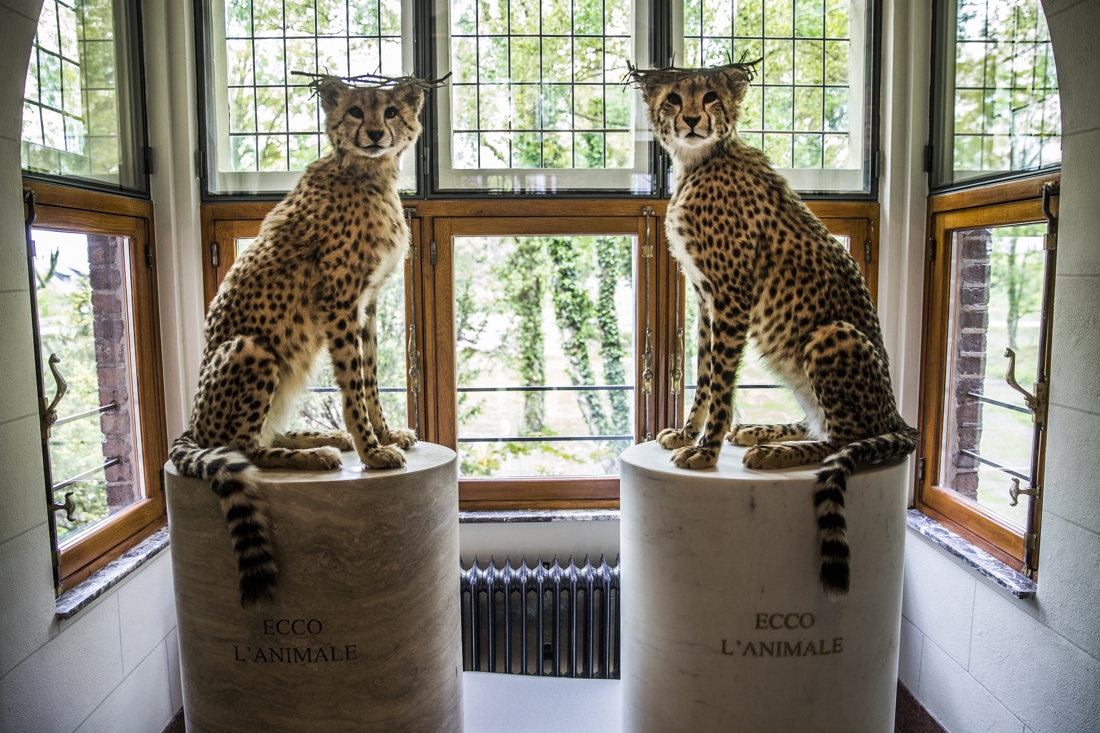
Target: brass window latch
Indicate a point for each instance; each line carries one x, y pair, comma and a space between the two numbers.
1015, 491
49, 409
1037, 402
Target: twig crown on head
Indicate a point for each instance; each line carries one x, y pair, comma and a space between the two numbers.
669, 74
374, 81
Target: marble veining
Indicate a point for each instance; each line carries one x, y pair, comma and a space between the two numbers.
364, 631
539, 515
1015, 583
80, 597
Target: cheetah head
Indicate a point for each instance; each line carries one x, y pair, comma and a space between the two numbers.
691, 113
371, 122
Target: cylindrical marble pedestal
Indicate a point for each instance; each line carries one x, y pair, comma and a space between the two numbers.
364, 632
725, 626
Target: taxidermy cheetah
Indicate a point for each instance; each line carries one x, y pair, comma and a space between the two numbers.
764, 267
309, 282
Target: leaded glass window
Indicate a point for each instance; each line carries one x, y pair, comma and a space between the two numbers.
996, 92
537, 102
265, 124
81, 106
806, 108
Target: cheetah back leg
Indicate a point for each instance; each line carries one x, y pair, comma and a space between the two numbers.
671, 438
743, 434
346, 350
852, 386
338, 439
237, 396
728, 333
401, 437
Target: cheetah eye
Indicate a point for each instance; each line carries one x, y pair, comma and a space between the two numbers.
674, 98
391, 112
355, 112
710, 97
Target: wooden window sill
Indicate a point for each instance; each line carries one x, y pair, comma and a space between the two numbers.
1002, 576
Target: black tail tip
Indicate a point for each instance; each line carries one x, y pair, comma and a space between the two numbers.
257, 587
834, 580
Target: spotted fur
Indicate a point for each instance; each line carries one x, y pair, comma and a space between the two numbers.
763, 266
308, 283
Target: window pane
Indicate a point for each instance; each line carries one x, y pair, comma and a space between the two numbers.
536, 318
997, 282
78, 120
1000, 112
322, 408
537, 96
84, 311
813, 55
264, 123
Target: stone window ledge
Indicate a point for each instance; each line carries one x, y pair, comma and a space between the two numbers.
71, 602
539, 515
980, 561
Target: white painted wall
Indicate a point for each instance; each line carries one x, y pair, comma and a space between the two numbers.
115, 666
976, 658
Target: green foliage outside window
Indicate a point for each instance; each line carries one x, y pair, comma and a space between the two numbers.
537, 84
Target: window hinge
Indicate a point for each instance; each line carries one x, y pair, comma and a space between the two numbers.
867, 251
414, 252
1049, 189
432, 253
927, 158
931, 249
148, 153
214, 254
200, 164
148, 254
920, 469
647, 248
1031, 541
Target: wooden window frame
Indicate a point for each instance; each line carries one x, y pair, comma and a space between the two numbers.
430, 309
1016, 202
66, 209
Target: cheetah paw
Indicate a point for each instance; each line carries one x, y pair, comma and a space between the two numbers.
695, 457
342, 441
403, 438
740, 436
384, 457
771, 457
321, 459
671, 438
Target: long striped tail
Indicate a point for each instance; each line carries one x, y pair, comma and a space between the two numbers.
229, 474
832, 482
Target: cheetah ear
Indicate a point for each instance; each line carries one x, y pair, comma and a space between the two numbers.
410, 94
737, 83
331, 91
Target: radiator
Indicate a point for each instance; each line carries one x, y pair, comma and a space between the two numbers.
541, 619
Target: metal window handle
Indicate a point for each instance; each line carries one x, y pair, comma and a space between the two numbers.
1037, 402
1015, 491
49, 411
68, 507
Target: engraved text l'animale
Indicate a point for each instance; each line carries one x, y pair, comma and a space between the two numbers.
294, 655
820, 648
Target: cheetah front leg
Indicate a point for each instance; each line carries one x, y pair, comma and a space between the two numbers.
746, 435
671, 438
728, 332
346, 350
401, 437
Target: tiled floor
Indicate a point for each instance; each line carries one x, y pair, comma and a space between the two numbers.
506, 703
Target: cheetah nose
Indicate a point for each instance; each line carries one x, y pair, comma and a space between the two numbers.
374, 135
691, 122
